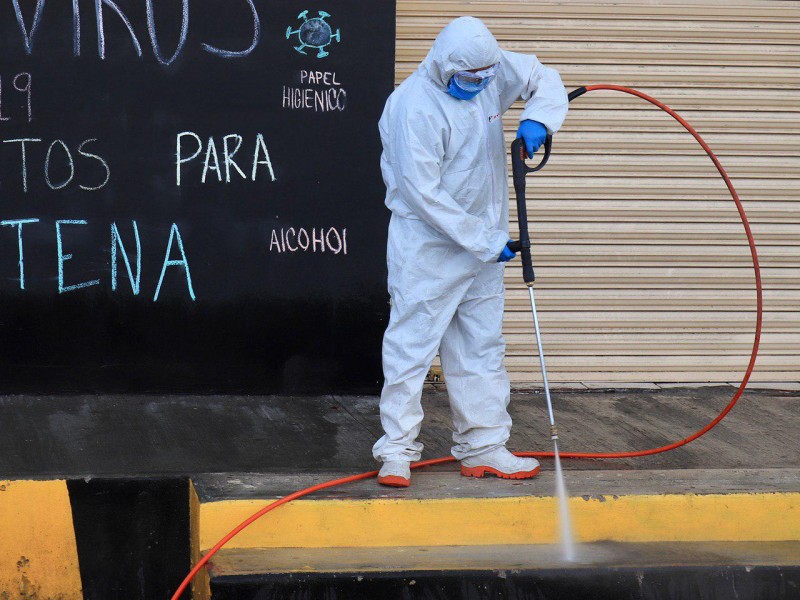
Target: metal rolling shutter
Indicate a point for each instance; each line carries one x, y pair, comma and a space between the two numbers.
643, 271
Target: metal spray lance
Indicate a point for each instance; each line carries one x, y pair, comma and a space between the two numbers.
523, 246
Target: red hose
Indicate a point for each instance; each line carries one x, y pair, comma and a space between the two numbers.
754, 353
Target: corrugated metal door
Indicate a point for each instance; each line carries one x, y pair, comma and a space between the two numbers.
643, 271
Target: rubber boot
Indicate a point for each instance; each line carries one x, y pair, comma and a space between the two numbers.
395, 473
501, 463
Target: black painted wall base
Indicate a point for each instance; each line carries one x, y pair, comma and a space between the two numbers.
595, 583
132, 536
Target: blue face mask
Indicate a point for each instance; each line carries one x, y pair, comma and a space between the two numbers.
457, 92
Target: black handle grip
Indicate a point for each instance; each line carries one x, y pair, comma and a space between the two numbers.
518, 153
515, 246
519, 171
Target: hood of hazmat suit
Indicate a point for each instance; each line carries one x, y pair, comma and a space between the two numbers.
444, 159
444, 166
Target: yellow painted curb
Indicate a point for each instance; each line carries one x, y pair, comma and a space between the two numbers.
38, 552
521, 520
201, 584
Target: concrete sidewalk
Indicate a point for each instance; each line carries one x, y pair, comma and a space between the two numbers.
123, 436
122, 472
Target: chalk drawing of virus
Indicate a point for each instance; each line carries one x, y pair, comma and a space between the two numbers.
314, 33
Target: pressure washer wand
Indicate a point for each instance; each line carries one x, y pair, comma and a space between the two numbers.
523, 246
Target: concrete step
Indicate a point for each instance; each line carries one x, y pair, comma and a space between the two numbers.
442, 508
637, 530
602, 570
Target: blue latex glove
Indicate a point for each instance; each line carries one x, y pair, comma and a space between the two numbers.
506, 255
533, 133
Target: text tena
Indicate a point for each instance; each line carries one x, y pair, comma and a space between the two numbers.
300, 239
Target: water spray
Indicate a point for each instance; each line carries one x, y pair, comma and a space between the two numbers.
519, 172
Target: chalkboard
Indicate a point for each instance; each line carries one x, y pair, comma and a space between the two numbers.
198, 206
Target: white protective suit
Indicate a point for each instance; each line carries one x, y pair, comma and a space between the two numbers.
444, 166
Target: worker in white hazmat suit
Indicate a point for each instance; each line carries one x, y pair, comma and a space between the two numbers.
444, 166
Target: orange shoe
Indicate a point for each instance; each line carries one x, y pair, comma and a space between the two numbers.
501, 463
395, 473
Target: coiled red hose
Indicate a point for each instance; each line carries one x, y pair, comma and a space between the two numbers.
425, 463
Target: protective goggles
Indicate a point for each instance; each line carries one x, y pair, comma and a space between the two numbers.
476, 81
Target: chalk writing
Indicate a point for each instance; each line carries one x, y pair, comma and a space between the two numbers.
183, 262
117, 248
76, 28
25, 89
37, 17
211, 150
317, 77
101, 36
18, 223
100, 6
19, 87
22, 142
151, 28
62, 258
318, 100
329, 98
261, 148
116, 240
320, 239
211, 161
70, 162
245, 52
102, 162
58, 150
